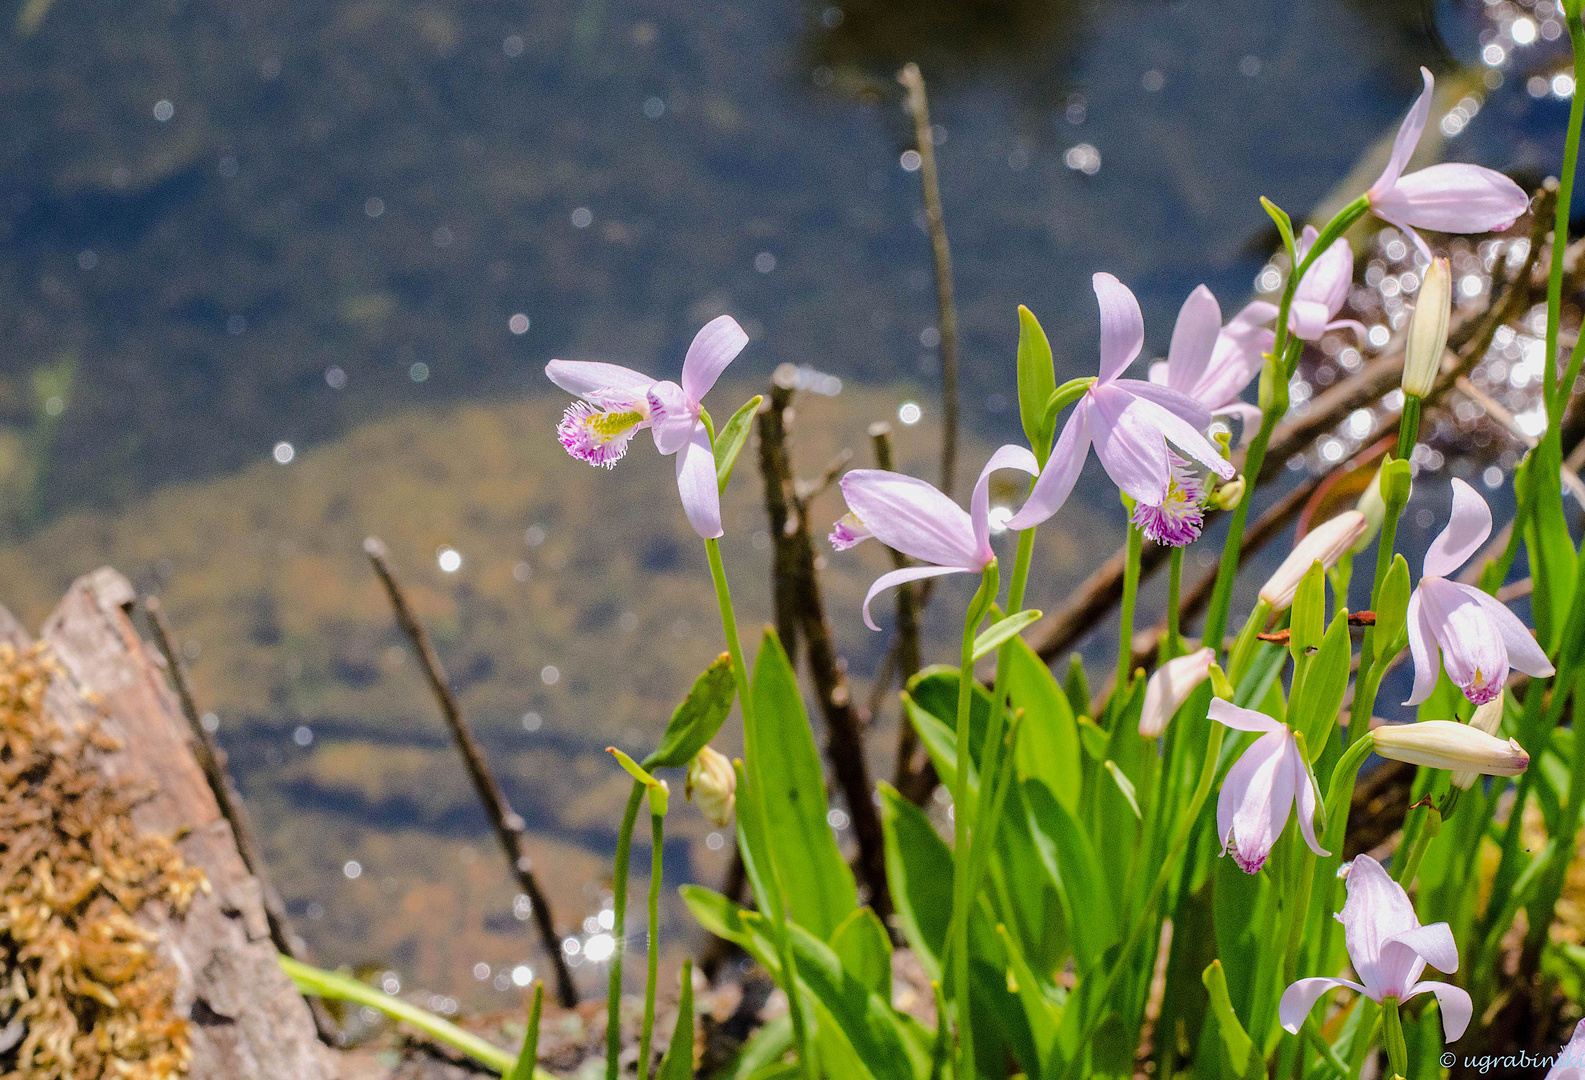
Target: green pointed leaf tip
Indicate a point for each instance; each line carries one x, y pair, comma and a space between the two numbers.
528, 1055
1077, 687
729, 443
698, 718
1392, 605
999, 633
1235, 1040
1308, 621
678, 1063
1126, 786
1037, 381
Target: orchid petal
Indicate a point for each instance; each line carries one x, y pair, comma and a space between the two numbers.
696, 483
1193, 340
714, 347
1360, 333
1457, 1011
1473, 651
1122, 325
1159, 373
672, 421
1300, 998
1304, 794
1061, 471
1163, 410
1129, 444
1407, 139
1267, 799
899, 577
594, 381
1253, 316
1411, 950
1237, 784
1423, 648
1235, 362
1468, 526
1007, 457
1328, 280
1241, 719
1454, 198
1377, 909
1307, 319
1524, 652
1403, 226
910, 516
1570, 1063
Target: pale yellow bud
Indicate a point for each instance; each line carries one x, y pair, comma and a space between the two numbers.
1448, 744
1422, 355
1374, 507
712, 783
1231, 493
1326, 543
1487, 718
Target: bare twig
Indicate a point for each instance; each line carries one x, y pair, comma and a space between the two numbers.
913, 776
510, 828
212, 759
798, 586
919, 109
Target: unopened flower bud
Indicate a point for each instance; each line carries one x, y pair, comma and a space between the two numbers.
1170, 687
1422, 356
712, 783
1448, 744
1231, 493
1374, 507
1487, 718
1325, 543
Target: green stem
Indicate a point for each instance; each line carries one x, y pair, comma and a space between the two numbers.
1556, 393
1173, 644
1392, 1029
333, 984
778, 916
1426, 828
1125, 647
1213, 754
1408, 426
960, 835
657, 826
613, 1007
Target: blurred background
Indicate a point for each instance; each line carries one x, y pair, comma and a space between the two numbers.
274, 277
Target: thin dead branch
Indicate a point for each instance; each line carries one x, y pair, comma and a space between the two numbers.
510, 828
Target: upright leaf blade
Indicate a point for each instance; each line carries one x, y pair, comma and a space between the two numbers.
1235, 1040
1392, 606
678, 1063
869, 1024
1048, 740
730, 439
999, 632
781, 756
1037, 380
919, 873
1069, 857
698, 718
523, 1067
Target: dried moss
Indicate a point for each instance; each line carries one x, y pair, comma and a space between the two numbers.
82, 993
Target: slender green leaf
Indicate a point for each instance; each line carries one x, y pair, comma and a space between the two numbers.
1235, 1040
1093, 738
762, 1057
870, 1025
754, 847
1551, 550
678, 1063
919, 872
999, 632
1037, 381
1048, 741
748, 930
1308, 619
1315, 710
1041, 998
781, 755
730, 439
1124, 785
528, 1054
865, 949
698, 718
1068, 856
1077, 686
1392, 607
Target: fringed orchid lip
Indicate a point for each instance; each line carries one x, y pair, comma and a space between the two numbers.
849, 532
598, 437
1180, 517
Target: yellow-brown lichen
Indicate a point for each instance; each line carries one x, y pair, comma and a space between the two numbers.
82, 993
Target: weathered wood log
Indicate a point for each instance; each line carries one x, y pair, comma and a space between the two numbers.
248, 1020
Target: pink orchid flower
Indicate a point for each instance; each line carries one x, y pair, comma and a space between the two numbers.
1478, 638
1570, 1064
1320, 294
1129, 421
1450, 198
1261, 788
1388, 949
1212, 363
618, 402
910, 516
